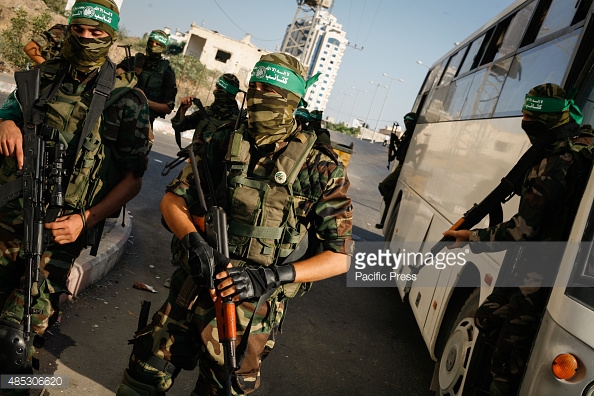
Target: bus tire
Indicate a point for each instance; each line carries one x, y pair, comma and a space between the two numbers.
456, 361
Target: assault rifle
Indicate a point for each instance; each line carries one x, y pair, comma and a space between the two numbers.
41, 181
126, 48
491, 204
393, 145
213, 225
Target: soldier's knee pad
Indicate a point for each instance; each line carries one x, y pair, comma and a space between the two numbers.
13, 349
130, 387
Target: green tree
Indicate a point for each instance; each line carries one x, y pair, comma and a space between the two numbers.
193, 78
57, 6
14, 38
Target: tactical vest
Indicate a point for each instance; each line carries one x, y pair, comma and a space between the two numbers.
265, 223
580, 149
94, 171
151, 81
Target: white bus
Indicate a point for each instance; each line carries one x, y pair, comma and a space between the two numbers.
467, 138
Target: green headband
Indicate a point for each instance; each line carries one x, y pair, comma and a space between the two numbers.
302, 113
316, 115
159, 38
224, 84
282, 77
95, 12
553, 105
409, 118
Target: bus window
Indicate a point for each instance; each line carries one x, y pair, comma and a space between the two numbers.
515, 31
582, 11
456, 98
586, 102
581, 284
536, 23
559, 16
475, 53
471, 100
527, 71
489, 90
452, 68
496, 41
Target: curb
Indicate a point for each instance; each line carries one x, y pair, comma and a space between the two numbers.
88, 269
7, 87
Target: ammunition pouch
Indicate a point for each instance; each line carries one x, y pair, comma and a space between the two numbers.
130, 387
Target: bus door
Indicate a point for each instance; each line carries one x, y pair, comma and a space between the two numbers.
410, 231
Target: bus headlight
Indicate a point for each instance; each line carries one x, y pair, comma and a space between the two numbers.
565, 366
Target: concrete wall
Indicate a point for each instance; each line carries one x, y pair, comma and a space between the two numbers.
224, 54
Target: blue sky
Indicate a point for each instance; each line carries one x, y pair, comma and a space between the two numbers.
393, 35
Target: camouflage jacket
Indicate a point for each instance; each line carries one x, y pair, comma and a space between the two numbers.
549, 194
153, 71
125, 127
320, 192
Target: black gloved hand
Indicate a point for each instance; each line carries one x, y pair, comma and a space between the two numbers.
204, 261
254, 282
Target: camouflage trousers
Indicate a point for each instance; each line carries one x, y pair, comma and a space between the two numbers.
55, 267
184, 333
508, 319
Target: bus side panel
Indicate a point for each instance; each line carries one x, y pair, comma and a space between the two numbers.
552, 341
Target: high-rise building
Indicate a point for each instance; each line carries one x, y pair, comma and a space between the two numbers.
317, 39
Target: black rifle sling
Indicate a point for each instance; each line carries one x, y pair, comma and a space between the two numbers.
103, 87
533, 155
203, 111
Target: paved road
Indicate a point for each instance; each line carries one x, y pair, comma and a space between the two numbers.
336, 340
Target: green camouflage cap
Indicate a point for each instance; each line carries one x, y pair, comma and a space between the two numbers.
103, 14
551, 106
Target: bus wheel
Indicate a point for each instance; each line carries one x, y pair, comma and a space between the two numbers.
456, 358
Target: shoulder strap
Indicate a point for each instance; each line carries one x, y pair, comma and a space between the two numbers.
103, 87
292, 158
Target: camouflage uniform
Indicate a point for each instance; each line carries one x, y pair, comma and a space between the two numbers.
184, 331
549, 197
50, 41
397, 150
126, 130
156, 78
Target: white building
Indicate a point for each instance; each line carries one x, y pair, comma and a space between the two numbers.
218, 52
319, 42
